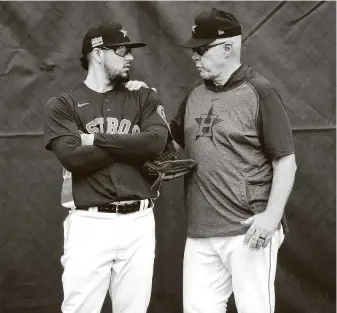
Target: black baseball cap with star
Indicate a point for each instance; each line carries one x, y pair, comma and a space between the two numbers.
211, 25
105, 34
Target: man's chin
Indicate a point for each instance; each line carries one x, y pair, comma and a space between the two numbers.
122, 77
204, 75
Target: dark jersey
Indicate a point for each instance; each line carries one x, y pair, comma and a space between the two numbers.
124, 123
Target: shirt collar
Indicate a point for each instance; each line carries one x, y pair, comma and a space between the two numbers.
242, 74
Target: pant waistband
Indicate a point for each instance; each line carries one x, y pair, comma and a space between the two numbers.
124, 207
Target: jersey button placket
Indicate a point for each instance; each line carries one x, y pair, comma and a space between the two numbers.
107, 101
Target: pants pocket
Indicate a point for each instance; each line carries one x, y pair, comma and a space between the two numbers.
257, 195
66, 229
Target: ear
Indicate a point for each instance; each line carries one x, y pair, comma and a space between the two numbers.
228, 48
97, 55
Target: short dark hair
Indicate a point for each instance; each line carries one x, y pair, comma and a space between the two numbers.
84, 62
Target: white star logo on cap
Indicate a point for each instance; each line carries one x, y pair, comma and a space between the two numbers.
220, 32
123, 31
193, 28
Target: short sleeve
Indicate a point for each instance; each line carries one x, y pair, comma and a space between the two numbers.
58, 120
277, 139
177, 125
153, 112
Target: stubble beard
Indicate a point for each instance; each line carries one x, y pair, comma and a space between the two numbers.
115, 74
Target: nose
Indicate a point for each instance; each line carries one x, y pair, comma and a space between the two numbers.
129, 57
195, 56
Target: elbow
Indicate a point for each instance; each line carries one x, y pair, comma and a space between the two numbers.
286, 164
156, 150
294, 168
72, 166
293, 165
157, 146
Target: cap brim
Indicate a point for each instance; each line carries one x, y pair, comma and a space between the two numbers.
196, 42
128, 44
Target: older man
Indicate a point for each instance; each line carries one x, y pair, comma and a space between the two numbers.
234, 124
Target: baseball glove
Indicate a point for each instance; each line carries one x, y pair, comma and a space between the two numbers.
169, 165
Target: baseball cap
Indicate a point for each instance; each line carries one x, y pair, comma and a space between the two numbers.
211, 25
105, 34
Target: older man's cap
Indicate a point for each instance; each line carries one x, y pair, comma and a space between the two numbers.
107, 35
211, 25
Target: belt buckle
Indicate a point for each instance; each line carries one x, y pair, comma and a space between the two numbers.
117, 205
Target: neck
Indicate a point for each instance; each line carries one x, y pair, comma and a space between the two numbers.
226, 73
98, 81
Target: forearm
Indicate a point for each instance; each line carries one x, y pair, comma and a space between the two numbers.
284, 170
178, 147
143, 146
80, 159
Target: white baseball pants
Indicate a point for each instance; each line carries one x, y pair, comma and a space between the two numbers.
216, 267
108, 251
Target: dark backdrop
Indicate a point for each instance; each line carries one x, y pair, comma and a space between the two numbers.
291, 43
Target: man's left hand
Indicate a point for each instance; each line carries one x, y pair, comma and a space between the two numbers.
261, 229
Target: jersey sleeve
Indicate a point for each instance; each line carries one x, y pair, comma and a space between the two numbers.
153, 112
138, 147
58, 120
277, 139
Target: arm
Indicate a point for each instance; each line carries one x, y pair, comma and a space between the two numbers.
61, 136
178, 147
79, 159
266, 223
177, 126
284, 170
277, 144
142, 146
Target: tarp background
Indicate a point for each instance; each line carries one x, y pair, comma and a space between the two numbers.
291, 43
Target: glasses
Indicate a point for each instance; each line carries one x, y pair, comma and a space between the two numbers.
121, 51
203, 49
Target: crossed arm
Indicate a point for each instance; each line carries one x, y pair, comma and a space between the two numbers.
104, 149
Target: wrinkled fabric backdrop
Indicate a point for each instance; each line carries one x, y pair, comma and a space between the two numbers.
291, 43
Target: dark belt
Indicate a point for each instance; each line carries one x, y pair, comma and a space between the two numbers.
117, 208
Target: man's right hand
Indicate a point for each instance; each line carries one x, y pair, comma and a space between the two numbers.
136, 85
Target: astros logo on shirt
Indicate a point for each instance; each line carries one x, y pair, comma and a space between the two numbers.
206, 123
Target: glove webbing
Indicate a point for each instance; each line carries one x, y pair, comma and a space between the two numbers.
158, 181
